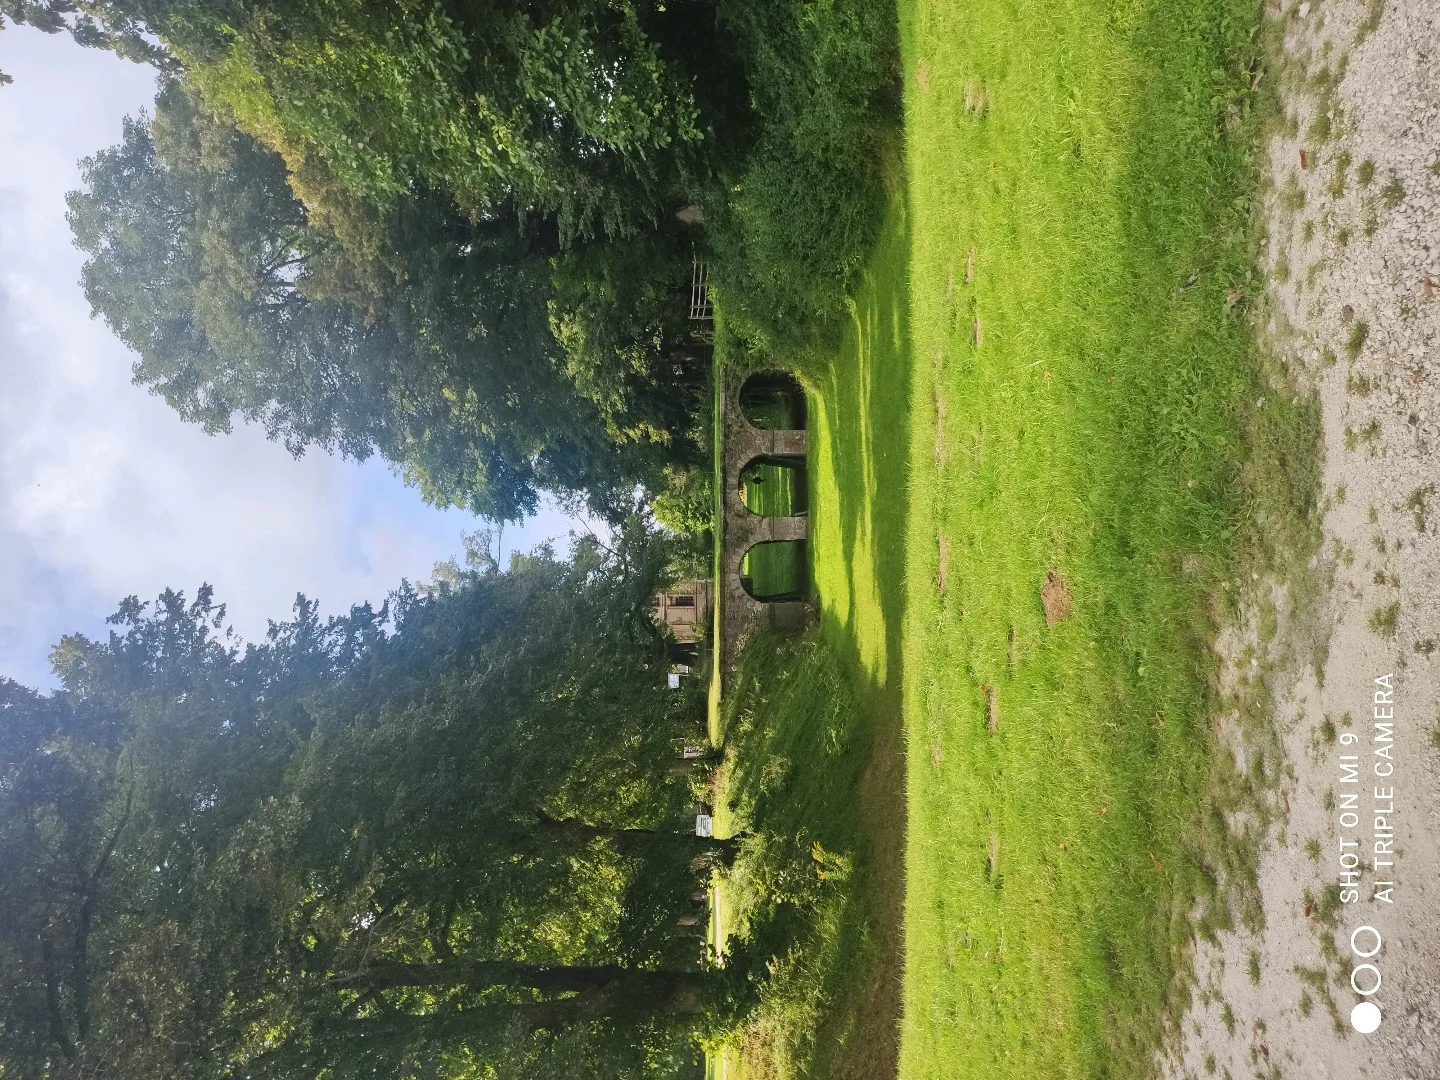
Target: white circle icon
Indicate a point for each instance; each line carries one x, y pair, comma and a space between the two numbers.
1365, 1017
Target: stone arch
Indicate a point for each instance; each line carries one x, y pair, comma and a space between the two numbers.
773, 401
786, 476
743, 443
790, 557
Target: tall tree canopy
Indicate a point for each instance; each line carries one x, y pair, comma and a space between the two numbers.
98, 26
507, 198
424, 840
594, 110
438, 341
468, 229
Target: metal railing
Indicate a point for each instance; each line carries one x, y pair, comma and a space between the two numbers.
701, 309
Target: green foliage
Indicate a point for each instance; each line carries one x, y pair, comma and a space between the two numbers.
802, 215
572, 109
461, 175
418, 334
447, 831
1355, 340
97, 26
65, 795
1383, 621
796, 741
1418, 503
686, 506
619, 315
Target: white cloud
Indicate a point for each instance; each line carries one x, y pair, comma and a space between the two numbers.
103, 491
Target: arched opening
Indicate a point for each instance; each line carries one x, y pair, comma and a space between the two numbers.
775, 486
774, 400
776, 570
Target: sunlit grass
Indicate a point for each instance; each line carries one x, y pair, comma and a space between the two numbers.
1088, 401
860, 433
777, 569
1085, 399
811, 729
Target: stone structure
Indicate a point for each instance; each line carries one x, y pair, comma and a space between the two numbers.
741, 529
686, 609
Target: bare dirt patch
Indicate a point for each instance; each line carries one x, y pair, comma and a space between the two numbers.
1055, 598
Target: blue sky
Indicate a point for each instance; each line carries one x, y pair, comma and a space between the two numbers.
103, 491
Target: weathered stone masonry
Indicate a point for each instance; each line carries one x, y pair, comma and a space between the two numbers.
740, 613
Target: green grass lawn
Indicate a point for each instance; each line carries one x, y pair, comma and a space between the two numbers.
773, 490
1086, 400
776, 570
859, 462
812, 729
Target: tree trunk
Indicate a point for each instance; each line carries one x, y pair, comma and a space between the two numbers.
483, 974
373, 1044
640, 842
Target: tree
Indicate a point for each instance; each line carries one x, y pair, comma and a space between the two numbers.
426, 337
444, 829
65, 800
98, 26
619, 314
605, 114
608, 116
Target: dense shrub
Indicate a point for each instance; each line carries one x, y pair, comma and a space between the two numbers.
796, 224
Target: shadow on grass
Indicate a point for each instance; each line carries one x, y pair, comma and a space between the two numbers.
859, 477
812, 730
814, 773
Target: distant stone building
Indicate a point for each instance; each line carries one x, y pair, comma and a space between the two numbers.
685, 608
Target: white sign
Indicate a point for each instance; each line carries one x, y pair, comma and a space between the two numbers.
702, 824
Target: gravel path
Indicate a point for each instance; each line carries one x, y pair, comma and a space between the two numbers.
1354, 256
